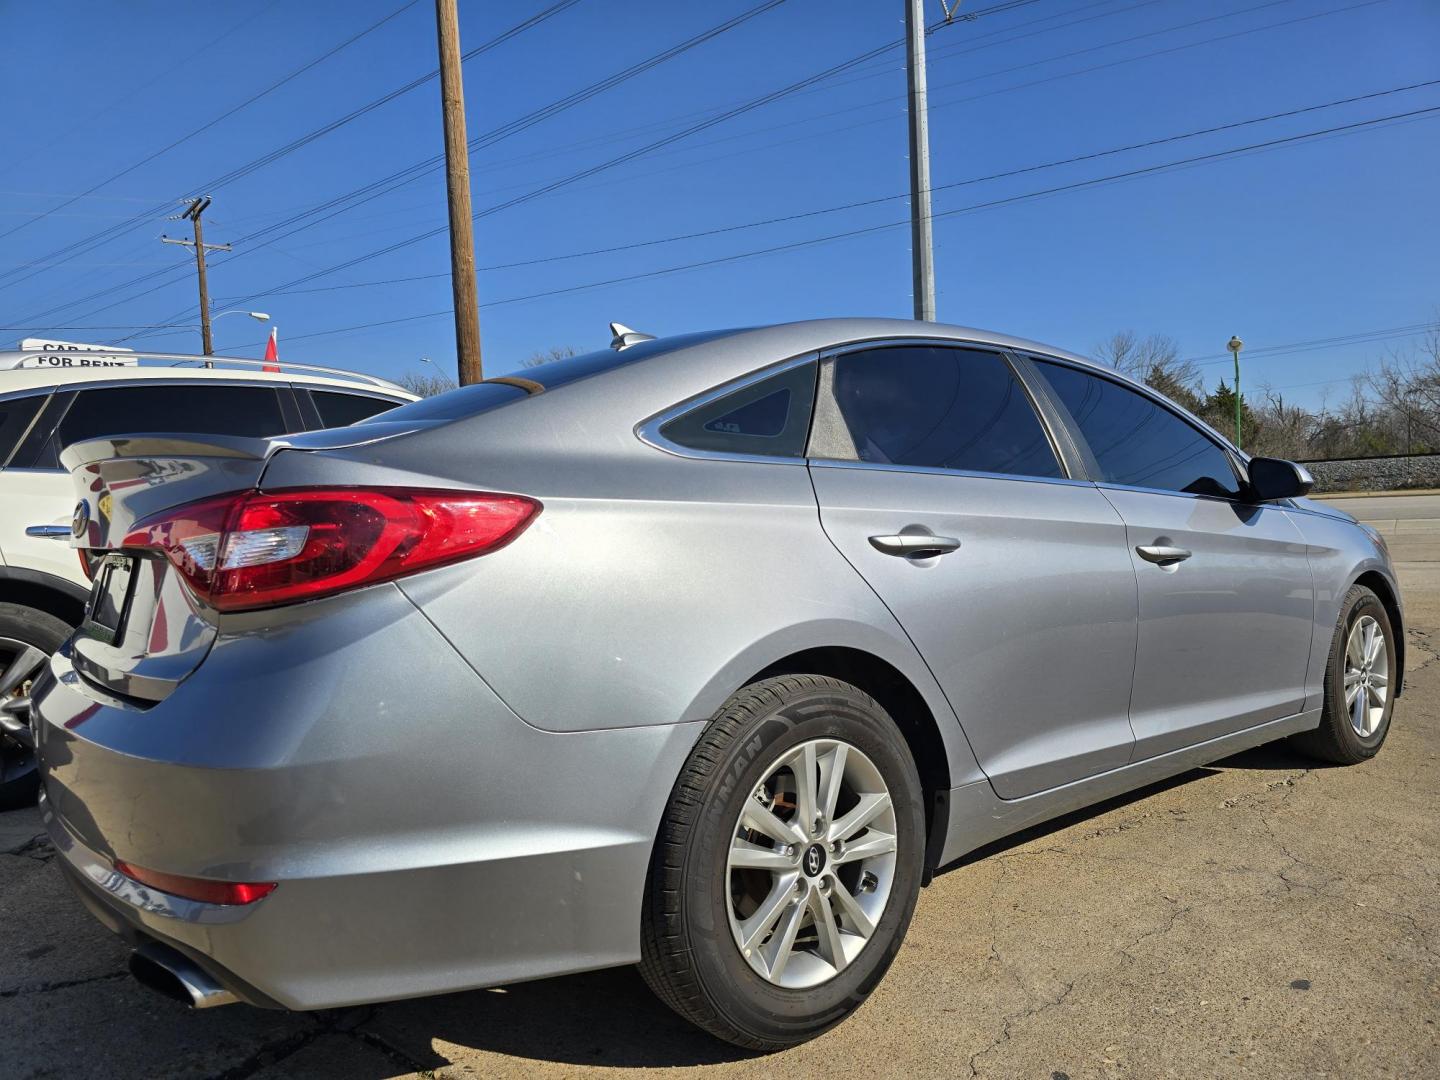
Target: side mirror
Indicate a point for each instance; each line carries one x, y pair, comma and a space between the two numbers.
1275, 478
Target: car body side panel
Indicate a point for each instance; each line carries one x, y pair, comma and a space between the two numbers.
1339, 552
38, 497
1029, 626
1224, 634
394, 795
646, 587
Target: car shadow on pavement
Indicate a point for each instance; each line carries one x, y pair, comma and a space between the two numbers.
1276, 756
603, 1018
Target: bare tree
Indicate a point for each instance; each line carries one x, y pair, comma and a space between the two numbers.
426, 385
1155, 361
560, 352
1406, 384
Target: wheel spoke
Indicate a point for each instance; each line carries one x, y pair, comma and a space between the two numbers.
1373, 641
754, 929
1379, 679
1355, 648
806, 768
832, 949
781, 946
832, 772
870, 806
1358, 715
762, 820
1376, 697
24, 665
871, 844
850, 910
747, 856
1351, 692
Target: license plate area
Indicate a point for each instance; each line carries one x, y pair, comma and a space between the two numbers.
110, 599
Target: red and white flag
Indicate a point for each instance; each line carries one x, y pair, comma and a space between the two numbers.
272, 352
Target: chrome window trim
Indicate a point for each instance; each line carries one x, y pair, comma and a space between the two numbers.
930, 470
1007, 357
648, 431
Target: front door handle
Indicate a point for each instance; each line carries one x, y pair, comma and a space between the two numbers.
1162, 553
914, 545
49, 532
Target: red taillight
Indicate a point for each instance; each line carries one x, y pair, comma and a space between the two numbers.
203, 890
261, 549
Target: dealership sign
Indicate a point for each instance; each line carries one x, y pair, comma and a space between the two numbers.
44, 353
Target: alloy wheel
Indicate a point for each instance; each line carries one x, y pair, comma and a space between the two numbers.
20, 664
811, 864
1367, 675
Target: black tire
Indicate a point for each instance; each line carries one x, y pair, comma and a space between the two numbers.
689, 957
19, 780
1336, 739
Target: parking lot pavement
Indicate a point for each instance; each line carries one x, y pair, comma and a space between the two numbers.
1260, 917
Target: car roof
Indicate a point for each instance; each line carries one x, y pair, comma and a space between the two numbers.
17, 379
821, 333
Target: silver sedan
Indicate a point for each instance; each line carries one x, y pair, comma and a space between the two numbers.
701, 653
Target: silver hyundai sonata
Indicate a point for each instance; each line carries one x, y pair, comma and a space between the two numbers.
702, 653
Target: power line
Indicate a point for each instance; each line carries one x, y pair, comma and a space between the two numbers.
413, 171
1129, 174
96, 239
225, 115
728, 114
620, 159
878, 200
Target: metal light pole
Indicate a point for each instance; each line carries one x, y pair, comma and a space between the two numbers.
922, 255
1235, 345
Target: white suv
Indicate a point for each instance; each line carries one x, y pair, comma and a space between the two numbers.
44, 584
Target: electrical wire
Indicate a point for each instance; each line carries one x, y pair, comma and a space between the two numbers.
225, 115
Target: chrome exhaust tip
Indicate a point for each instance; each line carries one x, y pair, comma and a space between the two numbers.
169, 972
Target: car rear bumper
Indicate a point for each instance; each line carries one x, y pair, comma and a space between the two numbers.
425, 838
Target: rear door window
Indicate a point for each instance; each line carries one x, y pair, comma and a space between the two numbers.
15, 417
769, 418
936, 407
1137, 441
206, 409
339, 409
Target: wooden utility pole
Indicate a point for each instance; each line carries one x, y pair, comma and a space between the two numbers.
192, 214
457, 183
922, 256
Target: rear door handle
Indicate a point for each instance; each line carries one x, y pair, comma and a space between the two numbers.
914, 545
1162, 553
49, 532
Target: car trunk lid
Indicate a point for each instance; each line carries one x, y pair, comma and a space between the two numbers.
143, 630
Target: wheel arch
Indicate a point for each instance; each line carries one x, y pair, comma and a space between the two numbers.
907, 706
1385, 589
44, 592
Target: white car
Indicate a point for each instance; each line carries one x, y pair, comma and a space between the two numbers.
44, 584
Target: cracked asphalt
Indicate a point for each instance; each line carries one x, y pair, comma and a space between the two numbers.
1260, 917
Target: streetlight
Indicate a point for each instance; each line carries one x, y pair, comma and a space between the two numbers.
441, 374
258, 316
1235, 345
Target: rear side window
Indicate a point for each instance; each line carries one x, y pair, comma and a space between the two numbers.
203, 410
940, 408
769, 418
341, 410
1139, 442
15, 417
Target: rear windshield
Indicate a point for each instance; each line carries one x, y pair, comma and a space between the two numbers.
480, 397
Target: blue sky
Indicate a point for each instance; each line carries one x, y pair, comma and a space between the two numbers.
1303, 242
